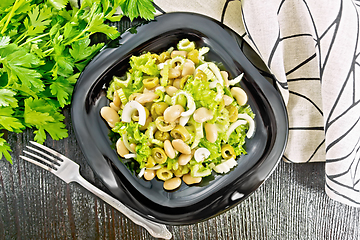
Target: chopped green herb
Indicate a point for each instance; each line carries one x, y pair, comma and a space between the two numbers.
44, 45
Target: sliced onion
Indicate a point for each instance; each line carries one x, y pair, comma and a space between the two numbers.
141, 173
202, 67
209, 74
203, 51
156, 167
226, 166
251, 122
233, 126
217, 73
184, 120
126, 142
219, 92
199, 134
236, 80
131, 107
201, 154
189, 102
161, 66
130, 155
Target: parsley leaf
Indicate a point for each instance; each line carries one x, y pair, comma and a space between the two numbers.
7, 98
7, 121
59, 4
41, 115
135, 8
44, 46
81, 50
62, 89
4, 149
39, 19
4, 41
18, 63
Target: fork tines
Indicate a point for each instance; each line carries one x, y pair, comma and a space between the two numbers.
40, 158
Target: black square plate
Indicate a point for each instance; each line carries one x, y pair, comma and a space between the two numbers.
216, 193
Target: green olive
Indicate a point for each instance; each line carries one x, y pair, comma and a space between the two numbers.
181, 170
200, 74
162, 136
158, 108
150, 162
170, 82
150, 82
233, 113
147, 122
164, 174
159, 155
148, 105
135, 115
193, 55
227, 151
156, 57
164, 56
164, 126
181, 100
183, 81
180, 132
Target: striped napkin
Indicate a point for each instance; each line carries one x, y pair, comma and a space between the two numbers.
313, 50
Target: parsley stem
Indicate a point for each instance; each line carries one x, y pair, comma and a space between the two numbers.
11, 13
50, 50
20, 38
78, 37
35, 38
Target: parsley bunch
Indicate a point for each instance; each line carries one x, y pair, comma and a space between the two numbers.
44, 45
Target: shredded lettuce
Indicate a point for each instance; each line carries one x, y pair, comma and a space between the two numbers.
203, 95
150, 134
134, 134
145, 63
198, 170
214, 148
165, 75
118, 83
237, 139
197, 92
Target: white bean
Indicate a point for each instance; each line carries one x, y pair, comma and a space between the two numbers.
240, 95
188, 68
169, 150
178, 53
110, 115
146, 97
184, 159
211, 132
121, 148
171, 90
149, 174
202, 115
181, 146
173, 112
188, 179
227, 100
172, 183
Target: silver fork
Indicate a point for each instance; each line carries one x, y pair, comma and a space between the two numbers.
68, 171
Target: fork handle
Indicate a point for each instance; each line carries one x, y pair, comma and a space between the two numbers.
155, 229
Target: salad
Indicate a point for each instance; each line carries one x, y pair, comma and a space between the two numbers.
178, 116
